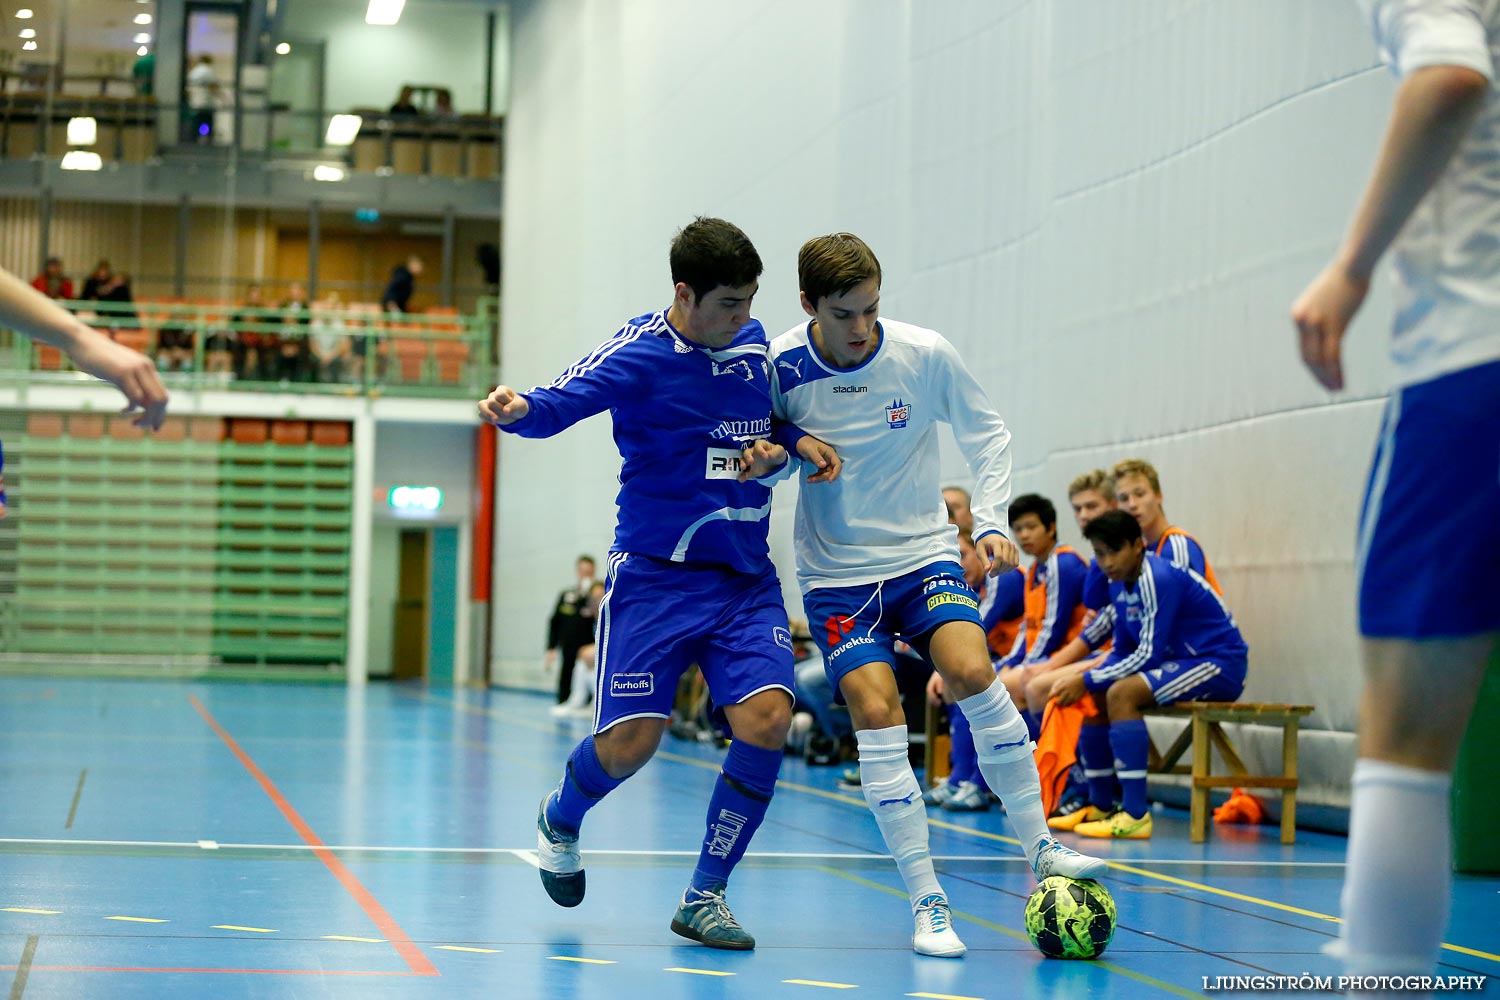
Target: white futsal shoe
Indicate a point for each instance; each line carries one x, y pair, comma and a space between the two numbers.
935, 934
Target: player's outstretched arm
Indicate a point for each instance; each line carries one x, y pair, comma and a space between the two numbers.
24, 308
1435, 106
504, 406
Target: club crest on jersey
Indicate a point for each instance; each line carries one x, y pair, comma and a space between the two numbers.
739, 367
897, 413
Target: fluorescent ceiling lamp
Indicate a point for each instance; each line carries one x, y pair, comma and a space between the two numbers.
324, 172
342, 129
142, 50
143, 18
28, 46
28, 32
82, 131
81, 159
384, 11
142, 39
24, 13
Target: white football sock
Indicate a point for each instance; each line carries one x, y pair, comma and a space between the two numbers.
891, 789
1398, 881
1006, 761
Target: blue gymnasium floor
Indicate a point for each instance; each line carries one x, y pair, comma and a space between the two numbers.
164, 840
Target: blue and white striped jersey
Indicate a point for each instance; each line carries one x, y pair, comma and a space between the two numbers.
1168, 613
681, 413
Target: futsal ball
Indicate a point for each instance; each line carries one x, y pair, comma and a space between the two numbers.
1070, 918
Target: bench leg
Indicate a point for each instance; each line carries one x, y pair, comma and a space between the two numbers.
1289, 770
1202, 767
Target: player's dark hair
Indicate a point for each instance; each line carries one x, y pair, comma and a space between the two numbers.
1033, 503
1114, 529
586, 558
708, 252
833, 264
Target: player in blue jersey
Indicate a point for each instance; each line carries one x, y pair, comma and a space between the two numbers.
25, 309
1174, 641
1429, 599
877, 561
689, 575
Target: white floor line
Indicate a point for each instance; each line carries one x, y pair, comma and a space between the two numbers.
529, 855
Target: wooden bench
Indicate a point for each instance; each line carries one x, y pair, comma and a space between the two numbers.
1205, 732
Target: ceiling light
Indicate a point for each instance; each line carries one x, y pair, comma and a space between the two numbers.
82, 159
342, 129
24, 13
28, 32
143, 18
282, 48
142, 39
324, 172
28, 46
142, 50
384, 11
82, 131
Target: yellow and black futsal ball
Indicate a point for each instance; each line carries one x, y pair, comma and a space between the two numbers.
1070, 918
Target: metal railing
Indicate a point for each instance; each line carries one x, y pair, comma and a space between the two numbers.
348, 351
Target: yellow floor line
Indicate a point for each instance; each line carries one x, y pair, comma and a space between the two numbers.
826, 986
459, 947
140, 920
23, 909
584, 961
698, 972
362, 940
942, 996
252, 930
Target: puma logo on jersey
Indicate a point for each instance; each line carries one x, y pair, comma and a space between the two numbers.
796, 369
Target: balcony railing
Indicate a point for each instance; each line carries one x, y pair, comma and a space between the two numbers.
357, 350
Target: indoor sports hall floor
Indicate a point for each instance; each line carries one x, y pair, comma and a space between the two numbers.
220, 840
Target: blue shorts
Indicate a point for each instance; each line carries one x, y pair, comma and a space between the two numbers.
1198, 679
658, 618
1431, 521
858, 625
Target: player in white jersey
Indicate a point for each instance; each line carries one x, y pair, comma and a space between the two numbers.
1429, 624
877, 558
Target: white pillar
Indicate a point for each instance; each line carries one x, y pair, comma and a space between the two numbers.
357, 665
461, 616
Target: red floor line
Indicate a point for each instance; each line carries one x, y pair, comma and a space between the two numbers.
228, 972
415, 960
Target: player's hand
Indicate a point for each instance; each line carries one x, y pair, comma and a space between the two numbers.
1067, 690
129, 371
823, 456
1322, 314
759, 458
998, 552
503, 406
935, 688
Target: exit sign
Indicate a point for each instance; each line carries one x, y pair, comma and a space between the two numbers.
417, 499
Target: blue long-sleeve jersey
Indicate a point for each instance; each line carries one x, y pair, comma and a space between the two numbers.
1168, 613
681, 413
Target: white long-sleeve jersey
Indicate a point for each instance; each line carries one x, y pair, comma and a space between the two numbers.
885, 515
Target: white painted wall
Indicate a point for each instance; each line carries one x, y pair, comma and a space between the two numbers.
1108, 207
435, 43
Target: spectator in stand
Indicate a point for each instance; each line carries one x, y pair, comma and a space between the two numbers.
398, 291
568, 631
404, 104
254, 349
174, 345
52, 282
105, 285
202, 99
294, 356
330, 343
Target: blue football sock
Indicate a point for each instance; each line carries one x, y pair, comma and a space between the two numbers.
583, 785
1132, 747
741, 796
965, 758
1098, 765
